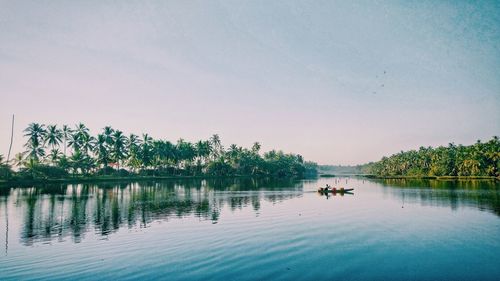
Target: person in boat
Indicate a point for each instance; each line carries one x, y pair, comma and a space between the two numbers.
327, 187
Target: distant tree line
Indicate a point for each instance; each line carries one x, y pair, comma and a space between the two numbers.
57, 152
340, 169
479, 159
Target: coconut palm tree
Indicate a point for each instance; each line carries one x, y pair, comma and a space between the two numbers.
133, 148
256, 147
80, 161
54, 156
19, 159
233, 151
87, 143
36, 134
101, 151
133, 143
169, 153
78, 136
81, 129
203, 150
217, 148
119, 151
145, 151
108, 135
74, 142
54, 136
81, 140
66, 132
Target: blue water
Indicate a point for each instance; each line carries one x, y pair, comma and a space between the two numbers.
252, 230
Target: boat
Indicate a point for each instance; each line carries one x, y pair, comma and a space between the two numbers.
334, 190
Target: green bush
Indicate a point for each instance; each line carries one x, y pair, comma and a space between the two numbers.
5, 172
121, 173
105, 171
219, 168
43, 171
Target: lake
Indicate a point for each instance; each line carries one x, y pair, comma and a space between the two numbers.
245, 229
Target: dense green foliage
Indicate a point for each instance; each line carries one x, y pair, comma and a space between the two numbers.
113, 153
479, 159
5, 171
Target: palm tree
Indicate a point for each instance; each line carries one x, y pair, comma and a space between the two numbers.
81, 140
133, 152
186, 152
133, 143
233, 151
101, 151
80, 162
118, 151
108, 135
54, 156
78, 137
66, 132
81, 129
168, 152
87, 143
145, 151
54, 136
202, 150
36, 134
492, 156
19, 159
217, 148
74, 142
256, 147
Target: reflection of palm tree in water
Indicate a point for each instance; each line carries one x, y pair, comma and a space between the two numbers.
60, 229
30, 218
110, 206
6, 226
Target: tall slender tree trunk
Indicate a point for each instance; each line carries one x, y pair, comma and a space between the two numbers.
11, 139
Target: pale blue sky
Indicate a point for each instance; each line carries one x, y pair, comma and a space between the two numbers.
302, 76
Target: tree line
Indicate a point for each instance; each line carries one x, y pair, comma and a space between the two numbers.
479, 159
56, 152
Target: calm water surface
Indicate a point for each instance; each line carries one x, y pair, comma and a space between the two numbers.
252, 230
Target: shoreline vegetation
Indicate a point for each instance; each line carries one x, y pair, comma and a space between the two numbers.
477, 161
372, 176
121, 179
434, 177
67, 154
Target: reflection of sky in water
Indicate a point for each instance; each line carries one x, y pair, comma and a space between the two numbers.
193, 229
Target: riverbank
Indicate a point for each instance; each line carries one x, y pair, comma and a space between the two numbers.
433, 177
99, 179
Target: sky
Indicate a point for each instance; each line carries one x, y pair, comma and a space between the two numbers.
339, 82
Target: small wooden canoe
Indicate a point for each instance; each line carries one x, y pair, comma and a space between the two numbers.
334, 190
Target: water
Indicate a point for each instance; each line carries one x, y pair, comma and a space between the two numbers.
252, 230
